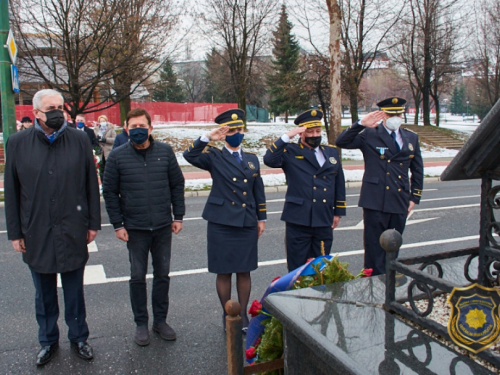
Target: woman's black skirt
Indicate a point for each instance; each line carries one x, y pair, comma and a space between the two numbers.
231, 249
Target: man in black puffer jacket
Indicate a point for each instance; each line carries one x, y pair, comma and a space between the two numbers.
143, 188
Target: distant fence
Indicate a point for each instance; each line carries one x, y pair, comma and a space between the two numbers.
161, 112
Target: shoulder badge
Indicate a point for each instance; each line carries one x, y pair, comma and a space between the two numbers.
209, 148
411, 131
332, 160
249, 152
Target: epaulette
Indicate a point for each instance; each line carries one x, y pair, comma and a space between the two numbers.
331, 146
249, 152
209, 148
410, 131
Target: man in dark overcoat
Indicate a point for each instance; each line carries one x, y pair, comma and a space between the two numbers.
387, 193
53, 211
315, 198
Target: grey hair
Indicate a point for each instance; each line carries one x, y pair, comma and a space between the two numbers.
37, 99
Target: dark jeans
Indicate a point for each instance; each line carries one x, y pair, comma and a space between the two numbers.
304, 242
376, 222
47, 307
140, 243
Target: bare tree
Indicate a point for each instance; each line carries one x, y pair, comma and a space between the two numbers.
139, 38
431, 30
62, 46
334, 15
365, 26
95, 52
487, 53
192, 81
239, 30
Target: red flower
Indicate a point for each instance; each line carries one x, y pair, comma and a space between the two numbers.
255, 308
367, 272
251, 353
276, 278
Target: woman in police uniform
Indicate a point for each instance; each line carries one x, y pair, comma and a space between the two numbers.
235, 209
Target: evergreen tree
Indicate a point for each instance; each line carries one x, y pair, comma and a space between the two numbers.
457, 102
218, 87
286, 83
167, 89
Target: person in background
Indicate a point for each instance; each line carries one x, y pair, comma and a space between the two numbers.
121, 138
105, 134
144, 195
387, 193
235, 209
52, 211
315, 199
26, 123
68, 120
80, 125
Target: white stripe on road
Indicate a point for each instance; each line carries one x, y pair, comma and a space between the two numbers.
446, 208
96, 275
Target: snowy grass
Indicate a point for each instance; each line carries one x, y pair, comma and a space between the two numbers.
260, 136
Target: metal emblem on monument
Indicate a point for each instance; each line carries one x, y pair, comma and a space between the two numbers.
474, 319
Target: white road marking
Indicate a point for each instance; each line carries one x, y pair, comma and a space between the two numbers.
360, 225
93, 275
92, 247
446, 208
447, 198
96, 275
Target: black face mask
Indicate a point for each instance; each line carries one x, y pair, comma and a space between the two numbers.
55, 119
313, 141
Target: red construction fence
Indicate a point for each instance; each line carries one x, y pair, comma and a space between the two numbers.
161, 112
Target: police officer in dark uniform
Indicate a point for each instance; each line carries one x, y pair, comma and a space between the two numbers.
315, 198
235, 209
387, 193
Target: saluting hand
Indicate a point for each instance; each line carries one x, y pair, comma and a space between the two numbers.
372, 119
219, 133
292, 133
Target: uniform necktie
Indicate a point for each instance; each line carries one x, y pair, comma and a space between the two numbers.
236, 155
393, 135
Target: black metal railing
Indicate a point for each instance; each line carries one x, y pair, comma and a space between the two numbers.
428, 279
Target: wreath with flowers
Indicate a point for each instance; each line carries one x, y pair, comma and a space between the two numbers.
265, 333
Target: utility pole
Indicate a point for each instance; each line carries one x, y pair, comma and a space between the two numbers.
7, 95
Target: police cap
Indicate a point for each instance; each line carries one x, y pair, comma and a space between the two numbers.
232, 118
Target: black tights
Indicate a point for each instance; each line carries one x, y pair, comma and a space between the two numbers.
243, 287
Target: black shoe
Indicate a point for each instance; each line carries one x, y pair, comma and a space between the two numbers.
83, 350
165, 331
142, 335
46, 353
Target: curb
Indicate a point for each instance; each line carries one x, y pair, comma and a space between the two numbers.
283, 188
273, 189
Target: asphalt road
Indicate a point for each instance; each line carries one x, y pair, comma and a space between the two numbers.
446, 219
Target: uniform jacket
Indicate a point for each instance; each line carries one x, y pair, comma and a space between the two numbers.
142, 191
237, 197
315, 194
110, 135
386, 186
51, 198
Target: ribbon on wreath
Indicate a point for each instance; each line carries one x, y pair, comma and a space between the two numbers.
282, 284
